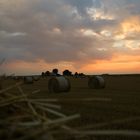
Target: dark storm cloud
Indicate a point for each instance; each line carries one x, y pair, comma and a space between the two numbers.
48, 29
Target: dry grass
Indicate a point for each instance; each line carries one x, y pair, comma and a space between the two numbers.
22, 116
110, 113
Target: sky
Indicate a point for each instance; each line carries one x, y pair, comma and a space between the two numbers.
89, 36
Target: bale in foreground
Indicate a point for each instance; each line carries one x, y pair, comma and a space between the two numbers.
96, 82
59, 84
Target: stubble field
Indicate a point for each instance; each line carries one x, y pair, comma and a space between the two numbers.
116, 107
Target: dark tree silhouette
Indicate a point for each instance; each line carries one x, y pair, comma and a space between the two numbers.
47, 73
55, 71
76, 74
67, 73
43, 74
81, 74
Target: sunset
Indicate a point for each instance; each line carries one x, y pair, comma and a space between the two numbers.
90, 36
70, 69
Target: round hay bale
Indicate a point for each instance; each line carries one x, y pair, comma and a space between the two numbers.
28, 80
59, 84
96, 82
0, 83
0, 86
16, 78
36, 78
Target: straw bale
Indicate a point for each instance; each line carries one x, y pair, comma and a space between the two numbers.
28, 80
96, 82
59, 84
36, 78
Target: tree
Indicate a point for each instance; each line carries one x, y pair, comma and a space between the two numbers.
43, 74
47, 73
76, 74
81, 74
55, 71
67, 73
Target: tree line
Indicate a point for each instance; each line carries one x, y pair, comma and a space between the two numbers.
55, 72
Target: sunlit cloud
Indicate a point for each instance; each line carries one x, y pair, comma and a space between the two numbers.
133, 44
57, 31
89, 32
128, 44
99, 14
76, 34
102, 49
119, 37
119, 44
131, 25
14, 34
129, 28
106, 33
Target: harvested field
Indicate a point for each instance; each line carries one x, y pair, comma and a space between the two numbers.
109, 113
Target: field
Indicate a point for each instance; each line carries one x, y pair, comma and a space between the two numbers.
116, 107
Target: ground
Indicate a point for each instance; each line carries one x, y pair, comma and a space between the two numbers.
116, 107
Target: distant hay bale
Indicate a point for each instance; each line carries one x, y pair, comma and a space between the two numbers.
16, 78
28, 80
0, 85
1, 80
59, 84
96, 82
36, 78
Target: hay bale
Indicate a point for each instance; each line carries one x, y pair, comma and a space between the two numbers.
96, 82
16, 78
59, 84
28, 80
36, 78
0, 85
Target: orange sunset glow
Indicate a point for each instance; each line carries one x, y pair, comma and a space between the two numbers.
93, 37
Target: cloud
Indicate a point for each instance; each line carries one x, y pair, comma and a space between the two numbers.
42, 39
72, 31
